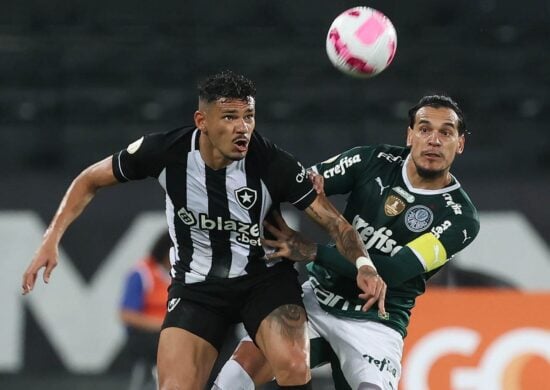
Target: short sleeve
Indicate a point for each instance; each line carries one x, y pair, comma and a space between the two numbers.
448, 237
341, 171
143, 158
294, 185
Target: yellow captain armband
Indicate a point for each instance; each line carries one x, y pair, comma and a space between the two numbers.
429, 250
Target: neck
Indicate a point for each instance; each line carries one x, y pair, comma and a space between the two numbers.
441, 180
210, 155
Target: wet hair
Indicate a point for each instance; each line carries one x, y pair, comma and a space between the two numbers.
161, 247
438, 101
226, 84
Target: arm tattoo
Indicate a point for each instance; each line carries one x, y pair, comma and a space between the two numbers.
289, 321
346, 237
301, 248
351, 244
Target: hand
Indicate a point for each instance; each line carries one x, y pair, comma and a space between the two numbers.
45, 256
317, 180
373, 287
289, 243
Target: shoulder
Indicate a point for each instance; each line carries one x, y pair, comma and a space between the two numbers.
389, 153
261, 145
382, 152
176, 139
264, 150
461, 209
468, 206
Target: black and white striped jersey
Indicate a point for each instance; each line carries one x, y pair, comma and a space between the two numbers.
215, 216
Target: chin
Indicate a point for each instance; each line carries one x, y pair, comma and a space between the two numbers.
237, 157
427, 173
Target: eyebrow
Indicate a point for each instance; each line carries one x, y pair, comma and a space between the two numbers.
425, 121
236, 111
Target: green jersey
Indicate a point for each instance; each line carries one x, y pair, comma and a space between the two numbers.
409, 233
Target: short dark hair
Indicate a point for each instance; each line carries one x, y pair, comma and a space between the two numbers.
226, 84
438, 101
161, 247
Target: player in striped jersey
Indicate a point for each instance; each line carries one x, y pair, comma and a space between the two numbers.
221, 179
413, 216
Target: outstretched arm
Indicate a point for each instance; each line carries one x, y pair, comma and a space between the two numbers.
78, 195
344, 235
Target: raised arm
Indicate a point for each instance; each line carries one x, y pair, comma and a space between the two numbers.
78, 195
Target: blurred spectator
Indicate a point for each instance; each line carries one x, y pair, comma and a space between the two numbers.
142, 311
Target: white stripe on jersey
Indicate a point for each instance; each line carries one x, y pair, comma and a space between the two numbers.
170, 221
197, 203
235, 179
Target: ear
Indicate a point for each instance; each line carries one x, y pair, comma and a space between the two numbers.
409, 136
200, 120
461, 143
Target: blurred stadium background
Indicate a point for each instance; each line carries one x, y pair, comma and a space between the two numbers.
80, 80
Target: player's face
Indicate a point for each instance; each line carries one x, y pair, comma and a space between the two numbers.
434, 141
228, 125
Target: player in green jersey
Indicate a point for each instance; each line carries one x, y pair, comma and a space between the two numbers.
413, 217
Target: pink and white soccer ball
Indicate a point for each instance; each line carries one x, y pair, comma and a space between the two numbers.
361, 42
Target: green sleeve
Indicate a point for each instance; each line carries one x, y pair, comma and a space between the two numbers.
395, 270
341, 171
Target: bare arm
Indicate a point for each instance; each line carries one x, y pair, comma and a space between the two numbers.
347, 239
78, 195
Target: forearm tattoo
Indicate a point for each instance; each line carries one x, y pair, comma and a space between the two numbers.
349, 243
301, 248
289, 321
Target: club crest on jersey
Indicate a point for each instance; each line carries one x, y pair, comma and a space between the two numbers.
246, 197
393, 206
418, 218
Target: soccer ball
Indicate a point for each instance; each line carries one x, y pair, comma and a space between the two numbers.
361, 42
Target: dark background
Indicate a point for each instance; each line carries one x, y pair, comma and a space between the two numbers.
80, 80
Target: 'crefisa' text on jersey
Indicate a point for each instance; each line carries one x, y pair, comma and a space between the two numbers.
403, 228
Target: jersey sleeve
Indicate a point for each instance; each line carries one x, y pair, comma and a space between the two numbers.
293, 183
448, 237
141, 159
341, 172
424, 254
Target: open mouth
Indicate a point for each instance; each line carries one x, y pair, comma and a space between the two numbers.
241, 144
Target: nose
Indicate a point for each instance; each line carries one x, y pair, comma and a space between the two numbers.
242, 127
434, 138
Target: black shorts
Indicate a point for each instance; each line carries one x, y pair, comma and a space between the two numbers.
208, 309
